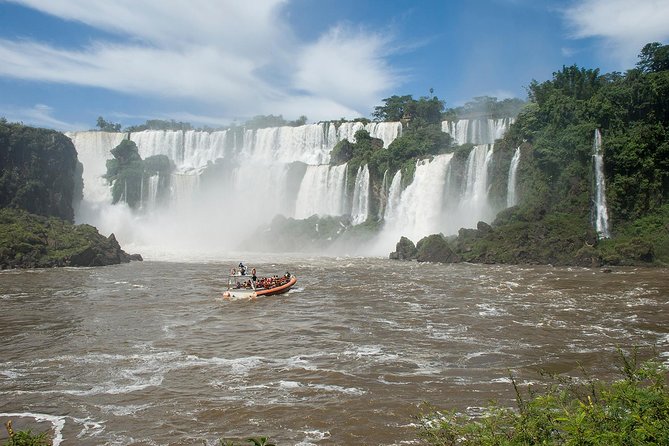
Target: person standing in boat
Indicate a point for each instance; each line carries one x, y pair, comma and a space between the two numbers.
253, 275
242, 268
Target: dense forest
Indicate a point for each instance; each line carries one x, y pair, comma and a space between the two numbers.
555, 129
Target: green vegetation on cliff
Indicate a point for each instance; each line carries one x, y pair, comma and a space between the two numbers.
33, 241
129, 174
39, 171
555, 132
40, 179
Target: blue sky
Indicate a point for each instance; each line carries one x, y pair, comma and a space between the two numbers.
63, 63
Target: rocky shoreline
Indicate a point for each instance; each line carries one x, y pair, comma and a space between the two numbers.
547, 242
33, 241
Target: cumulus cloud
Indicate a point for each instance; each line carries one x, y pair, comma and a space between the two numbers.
348, 64
236, 58
625, 26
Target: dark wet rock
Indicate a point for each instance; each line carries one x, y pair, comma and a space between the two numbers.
435, 248
404, 250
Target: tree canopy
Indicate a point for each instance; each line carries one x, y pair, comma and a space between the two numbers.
426, 110
107, 126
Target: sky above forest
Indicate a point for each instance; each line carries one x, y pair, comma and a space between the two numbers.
63, 63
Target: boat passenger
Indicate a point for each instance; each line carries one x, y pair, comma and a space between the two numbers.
253, 275
242, 268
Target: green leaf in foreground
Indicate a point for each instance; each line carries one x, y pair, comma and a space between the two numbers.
631, 411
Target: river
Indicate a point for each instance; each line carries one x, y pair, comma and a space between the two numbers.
149, 353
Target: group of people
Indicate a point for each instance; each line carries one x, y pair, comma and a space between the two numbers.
273, 282
255, 282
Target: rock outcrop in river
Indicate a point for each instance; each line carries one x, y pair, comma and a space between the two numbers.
33, 241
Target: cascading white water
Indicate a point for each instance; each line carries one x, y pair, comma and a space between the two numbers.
360, 205
511, 199
384, 193
322, 191
160, 142
203, 147
394, 192
416, 212
152, 191
476, 131
385, 131
184, 187
231, 181
474, 204
93, 149
601, 213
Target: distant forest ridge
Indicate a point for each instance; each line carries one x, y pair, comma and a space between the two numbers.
395, 108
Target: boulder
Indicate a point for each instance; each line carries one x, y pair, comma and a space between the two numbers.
34, 241
404, 250
435, 248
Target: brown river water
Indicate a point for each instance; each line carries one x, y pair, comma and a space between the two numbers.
149, 353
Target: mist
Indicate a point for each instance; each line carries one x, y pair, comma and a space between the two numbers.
227, 188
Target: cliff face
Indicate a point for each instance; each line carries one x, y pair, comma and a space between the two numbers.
39, 171
40, 180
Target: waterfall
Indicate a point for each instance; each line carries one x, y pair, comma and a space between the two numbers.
360, 208
236, 180
511, 199
394, 192
416, 211
600, 211
476, 131
385, 131
474, 202
160, 142
184, 187
384, 196
92, 151
152, 192
322, 191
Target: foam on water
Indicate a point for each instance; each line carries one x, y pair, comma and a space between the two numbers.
57, 423
178, 365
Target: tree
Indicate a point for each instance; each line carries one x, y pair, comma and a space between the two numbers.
654, 57
302, 120
395, 108
107, 126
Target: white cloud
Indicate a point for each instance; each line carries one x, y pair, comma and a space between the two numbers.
625, 25
39, 115
347, 65
236, 58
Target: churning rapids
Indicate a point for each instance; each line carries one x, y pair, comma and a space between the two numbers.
149, 353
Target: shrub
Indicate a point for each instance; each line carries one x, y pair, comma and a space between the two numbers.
631, 411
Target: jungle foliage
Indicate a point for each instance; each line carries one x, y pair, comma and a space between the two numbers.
107, 126
421, 137
555, 132
632, 410
160, 124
